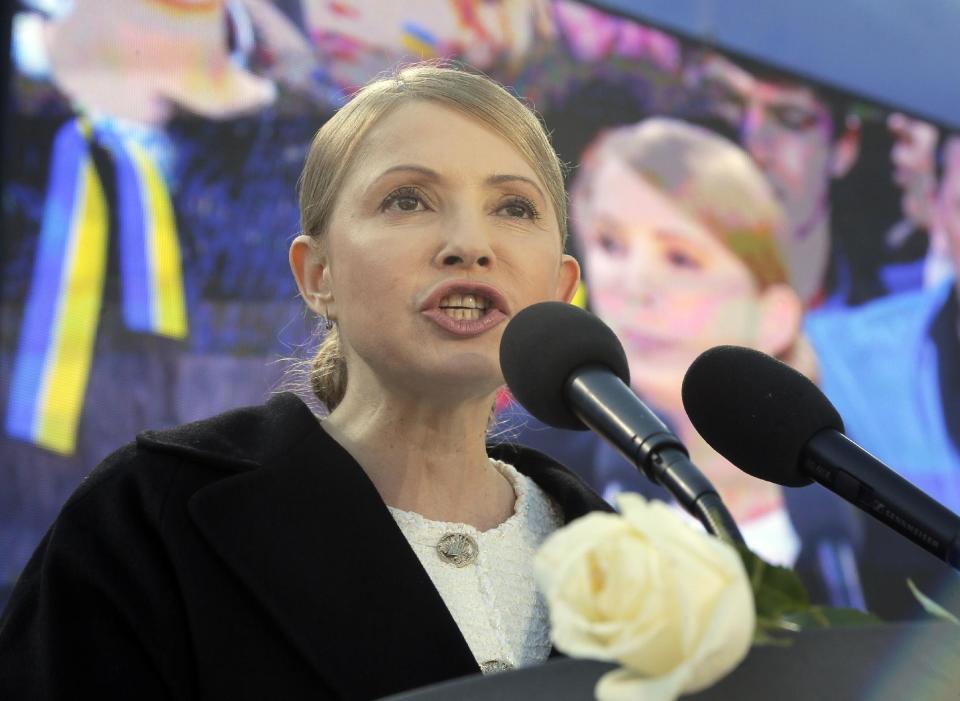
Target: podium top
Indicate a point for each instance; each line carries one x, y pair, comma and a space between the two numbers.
888, 662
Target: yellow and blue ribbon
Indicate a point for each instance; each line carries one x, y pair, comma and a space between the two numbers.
150, 269
55, 349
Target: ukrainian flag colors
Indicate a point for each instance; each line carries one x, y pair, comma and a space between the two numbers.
62, 311
153, 299
418, 41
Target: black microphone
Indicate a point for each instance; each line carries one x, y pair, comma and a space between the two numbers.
568, 369
774, 423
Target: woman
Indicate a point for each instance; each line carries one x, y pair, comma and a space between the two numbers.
678, 234
677, 230
266, 553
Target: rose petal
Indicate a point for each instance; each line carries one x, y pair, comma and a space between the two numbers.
624, 685
646, 589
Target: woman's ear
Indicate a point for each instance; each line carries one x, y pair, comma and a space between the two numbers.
568, 281
781, 314
311, 270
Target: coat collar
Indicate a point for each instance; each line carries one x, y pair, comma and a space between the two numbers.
302, 526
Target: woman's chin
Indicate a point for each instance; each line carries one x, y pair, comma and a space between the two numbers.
463, 377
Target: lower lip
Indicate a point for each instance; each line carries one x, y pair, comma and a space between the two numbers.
465, 327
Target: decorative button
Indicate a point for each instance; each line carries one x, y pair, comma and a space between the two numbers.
457, 549
494, 666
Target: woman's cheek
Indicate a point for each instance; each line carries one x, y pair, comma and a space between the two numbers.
690, 315
710, 322
663, 314
671, 313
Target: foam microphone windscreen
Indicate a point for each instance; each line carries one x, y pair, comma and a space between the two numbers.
756, 411
542, 346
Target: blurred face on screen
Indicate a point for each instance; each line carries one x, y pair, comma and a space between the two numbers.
476, 31
788, 131
142, 60
664, 282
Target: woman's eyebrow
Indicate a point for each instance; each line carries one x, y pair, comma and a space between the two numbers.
508, 178
674, 233
430, 174
427, 174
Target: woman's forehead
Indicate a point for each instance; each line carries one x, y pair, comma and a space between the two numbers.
617, 189
439, 138
620, 195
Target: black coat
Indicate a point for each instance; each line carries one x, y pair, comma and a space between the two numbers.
247, 556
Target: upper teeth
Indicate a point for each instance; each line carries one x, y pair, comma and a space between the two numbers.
465, 301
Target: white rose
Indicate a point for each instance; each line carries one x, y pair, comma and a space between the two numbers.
645, 589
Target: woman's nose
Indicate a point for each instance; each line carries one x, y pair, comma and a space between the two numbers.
466, 244
641, 292
641, 278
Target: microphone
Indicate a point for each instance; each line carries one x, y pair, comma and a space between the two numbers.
774, 423
568, 369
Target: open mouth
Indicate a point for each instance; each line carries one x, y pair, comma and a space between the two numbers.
465, 307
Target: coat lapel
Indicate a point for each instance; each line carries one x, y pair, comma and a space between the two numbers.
303, 528
574, 497
308, 534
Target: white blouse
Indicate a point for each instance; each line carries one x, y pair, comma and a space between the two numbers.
486, 578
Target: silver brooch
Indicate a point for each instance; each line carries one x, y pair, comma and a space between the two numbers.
457, 549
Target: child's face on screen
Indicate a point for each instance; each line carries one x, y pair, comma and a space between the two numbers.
665, 283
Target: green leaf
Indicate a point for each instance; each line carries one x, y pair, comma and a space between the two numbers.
783, 605
828, 617
776, 590
764, 637
931, 606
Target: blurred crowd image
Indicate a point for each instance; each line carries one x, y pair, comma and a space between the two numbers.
713, 199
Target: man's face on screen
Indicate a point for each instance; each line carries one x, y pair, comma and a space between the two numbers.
787, 130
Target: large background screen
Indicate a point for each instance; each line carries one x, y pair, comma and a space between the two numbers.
152, 154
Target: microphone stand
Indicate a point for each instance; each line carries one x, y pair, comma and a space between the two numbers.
649, 445
671, 467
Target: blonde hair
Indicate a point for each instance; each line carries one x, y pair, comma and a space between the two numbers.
706, 176
712, 180
338, 140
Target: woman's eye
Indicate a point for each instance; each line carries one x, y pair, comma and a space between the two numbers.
407, 204
609, 243
682, 259
520, 208
403, 200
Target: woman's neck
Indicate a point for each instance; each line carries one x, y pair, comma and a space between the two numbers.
425, 456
